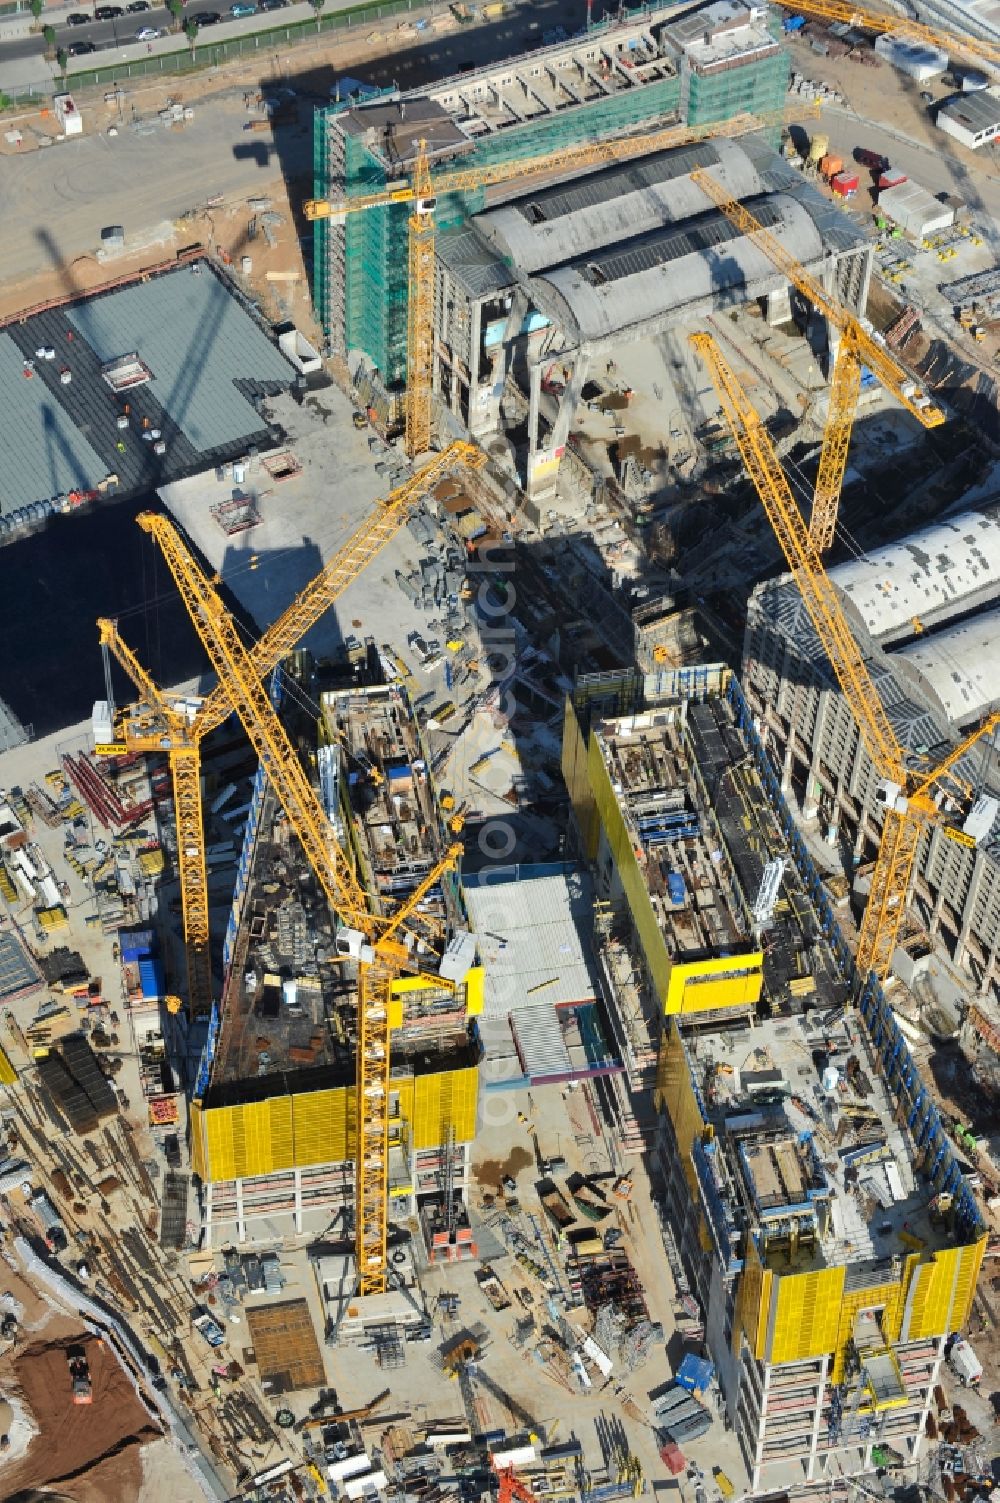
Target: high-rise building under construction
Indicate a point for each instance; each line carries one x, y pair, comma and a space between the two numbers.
821, 1233
273, 1115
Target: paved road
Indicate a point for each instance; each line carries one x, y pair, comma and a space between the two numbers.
17, 53
939, 171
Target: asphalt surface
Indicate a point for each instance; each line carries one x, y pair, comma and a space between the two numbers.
121, 31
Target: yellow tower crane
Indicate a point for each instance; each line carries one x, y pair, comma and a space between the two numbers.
857, 348
161, 722
385, 945
912, 797
423, 192
953, 42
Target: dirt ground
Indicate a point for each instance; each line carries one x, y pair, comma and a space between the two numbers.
91, 1452
224, 228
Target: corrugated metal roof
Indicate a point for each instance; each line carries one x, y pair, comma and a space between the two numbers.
42, 451
200, 345
612, 204
959, 665
931, 575
695, 271
531, 935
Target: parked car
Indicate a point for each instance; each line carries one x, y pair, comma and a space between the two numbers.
108, 12
206, 17
147, 34
81, 49
77, 18
272, 4
136, 6
242, 8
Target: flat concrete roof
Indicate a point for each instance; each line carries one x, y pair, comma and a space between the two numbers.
530, 935
976, 112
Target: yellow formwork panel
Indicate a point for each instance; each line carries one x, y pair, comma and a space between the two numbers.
806, 1314
475, 991
726, 981
965, 1283
676, 1096
885, 1297
323, 1126
441, 1101
753, 1301
219, 1157
8, 1074
318, 1127
576, 776
943, 1290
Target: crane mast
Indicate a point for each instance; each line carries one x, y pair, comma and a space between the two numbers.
911, 800
382, 944
160, 726
155, 724
422, 193
953, 42
857, 348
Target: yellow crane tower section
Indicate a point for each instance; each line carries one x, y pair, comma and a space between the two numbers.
384, 944
423, 191
161, 722
857, 348
911, 797
953, 42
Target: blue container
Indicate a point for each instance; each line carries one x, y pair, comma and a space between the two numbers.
695, 1373
676, 888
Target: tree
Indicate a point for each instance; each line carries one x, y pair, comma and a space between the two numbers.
317, 6
36, 8
49, 35
191, 32
62, 58
176, 9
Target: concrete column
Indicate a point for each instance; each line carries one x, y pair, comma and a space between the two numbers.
814, 1443
207, 1218
475, 342
534, 400
975, 883
778, 306
298, 1202
241, 1226
786, 767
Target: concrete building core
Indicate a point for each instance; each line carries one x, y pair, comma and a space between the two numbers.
273, 1114
642, 68
566, 275
924, 612
814, 1216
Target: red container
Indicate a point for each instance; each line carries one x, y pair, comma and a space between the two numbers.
845, 183
673, 1459
890, 178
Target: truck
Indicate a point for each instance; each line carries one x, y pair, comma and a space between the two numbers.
208, 1327
964, 1363
81, 1388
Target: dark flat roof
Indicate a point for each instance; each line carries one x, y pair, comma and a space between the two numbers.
209, 357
